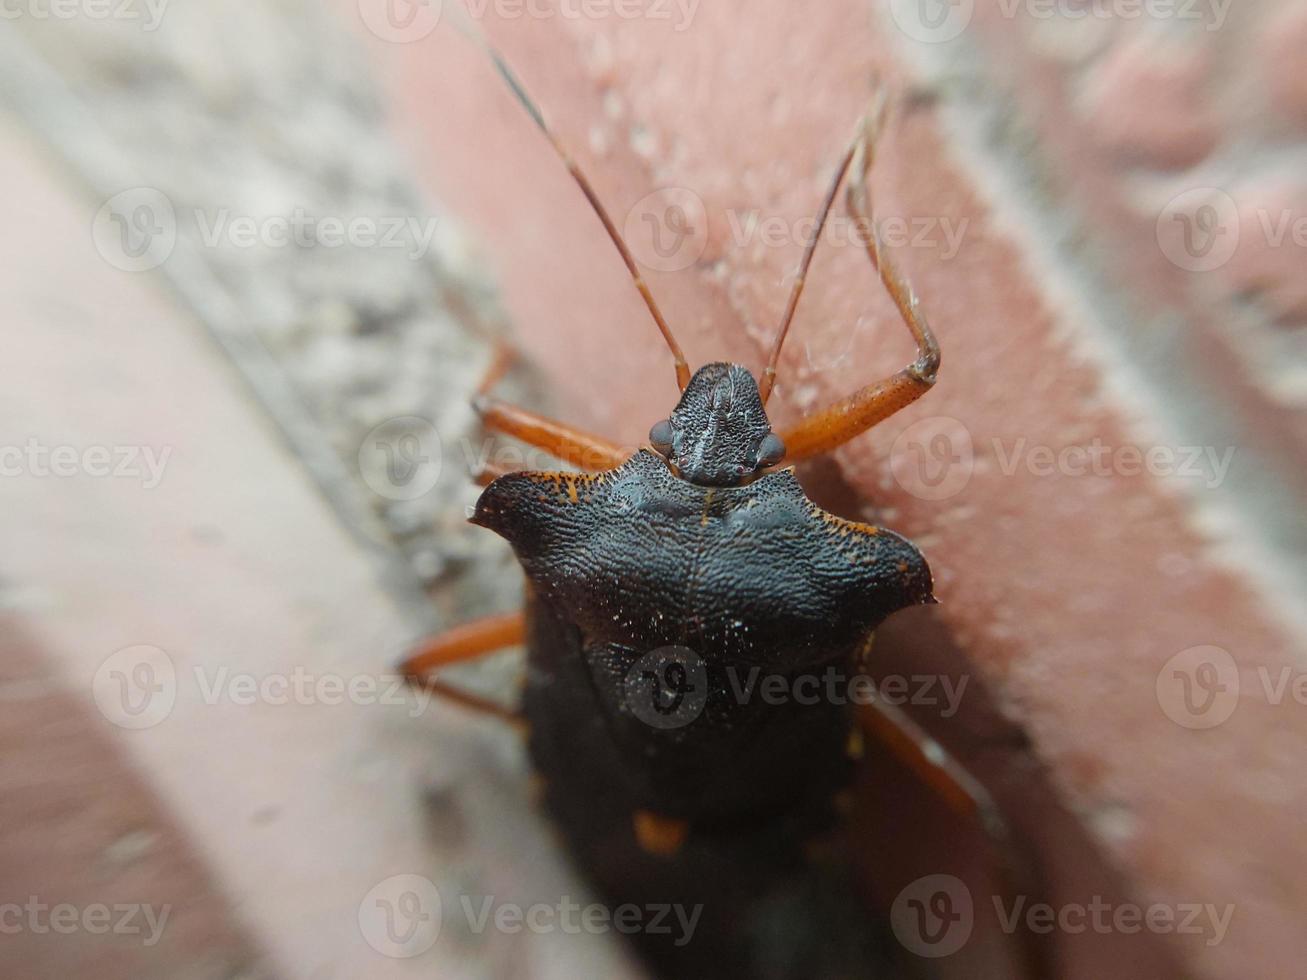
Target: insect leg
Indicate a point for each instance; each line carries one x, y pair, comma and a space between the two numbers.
828, 429
563, 441
948, 779
463, 643
569, 444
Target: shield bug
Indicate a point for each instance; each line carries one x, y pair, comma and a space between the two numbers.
659, 582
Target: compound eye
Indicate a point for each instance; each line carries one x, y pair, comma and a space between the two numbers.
771, 451
661, 437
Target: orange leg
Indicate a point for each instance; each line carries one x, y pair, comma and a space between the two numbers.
460, 644
946, 777
568, 444
828, 429
951, 782
500, 363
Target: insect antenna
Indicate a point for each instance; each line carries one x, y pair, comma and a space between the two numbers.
768, 379
520, 93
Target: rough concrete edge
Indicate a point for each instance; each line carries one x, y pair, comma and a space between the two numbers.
49, 107
1159, 403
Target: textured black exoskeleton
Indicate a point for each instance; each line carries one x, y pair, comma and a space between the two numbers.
667, 585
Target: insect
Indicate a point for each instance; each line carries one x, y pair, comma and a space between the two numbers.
657, 581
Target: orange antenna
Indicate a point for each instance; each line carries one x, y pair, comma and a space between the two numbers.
520, 93
768, 379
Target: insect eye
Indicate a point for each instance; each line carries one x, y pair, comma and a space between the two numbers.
771, 451
661, 437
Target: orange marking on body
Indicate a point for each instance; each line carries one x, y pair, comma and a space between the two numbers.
855, 747
865, 650
567, 482
659, 835
847, 527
